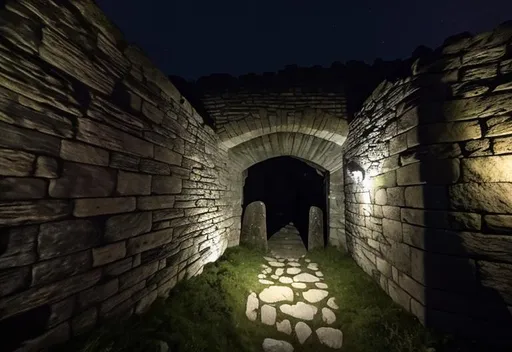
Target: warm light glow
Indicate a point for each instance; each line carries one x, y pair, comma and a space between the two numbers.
358, 176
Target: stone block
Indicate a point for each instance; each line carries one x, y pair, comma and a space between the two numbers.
109, 138
392, 229
430, 152
152, 112
399, 296
136, 275
441, 219
443, 171
478, 107
154, 167
14, 137
108, 253
124, 162
427, 197
446, 132
498, 126
498, 223
315, 228
412, 287
395, 196
476, 57
385, 180
479, 72
481, 197
15, 162
167, 214
398, 144
480, 147
381, 197
18, 247
145, 302
46, 167
120, 227
487, 169
498, 277
28, 212
84, 322
59, 268
155, 202
167, 156
98, 293
502, 145
64, 237
15, 279
119, 267
166, 185
103, 206
47, 294
130, 183
254, 226
149, 241
61, 311
81, 180
391, 212
14, 188
83, 153
408, 120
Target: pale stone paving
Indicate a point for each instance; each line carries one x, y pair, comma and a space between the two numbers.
299, 293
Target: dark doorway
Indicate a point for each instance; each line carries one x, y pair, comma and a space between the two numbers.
288, 187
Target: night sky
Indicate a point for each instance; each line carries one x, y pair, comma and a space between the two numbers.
192, 38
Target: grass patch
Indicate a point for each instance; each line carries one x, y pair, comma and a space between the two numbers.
207, 313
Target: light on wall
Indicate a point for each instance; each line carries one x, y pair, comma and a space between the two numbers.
357, 173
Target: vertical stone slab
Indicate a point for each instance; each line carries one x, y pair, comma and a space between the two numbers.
315, 228
254, 225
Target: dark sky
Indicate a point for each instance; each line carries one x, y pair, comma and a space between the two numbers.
192, 38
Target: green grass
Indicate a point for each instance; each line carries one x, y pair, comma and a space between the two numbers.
207, 313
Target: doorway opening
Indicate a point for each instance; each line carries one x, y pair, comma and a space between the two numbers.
288, 187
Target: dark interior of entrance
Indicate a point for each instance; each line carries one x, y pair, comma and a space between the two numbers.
288, 187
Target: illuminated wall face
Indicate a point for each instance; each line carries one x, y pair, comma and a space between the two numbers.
430, 214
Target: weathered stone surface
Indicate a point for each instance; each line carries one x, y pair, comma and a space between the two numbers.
19, 213
124, 162
314, 295
275, 294
120, 227
315, 228
487, 169
254, 226
444, 133
107, 137
444, 171
167, 156
303, 332
268, 315
392, 229
166, 185
480, 147
478, 107
299, 285
331, 303
272, 345
12, 280
80, 180
129, 183
499, 223
251, 308
330, 337
13, 188
503, 145
103, 206
46, 167
83, 153
426, 196
60, 268
29, 140
300, 310
328, 316
108, 253
64, 237
486, 197
497, 276
148, 241
155, 202
284, 326
48, 294
305, 277
15, 163
392, 213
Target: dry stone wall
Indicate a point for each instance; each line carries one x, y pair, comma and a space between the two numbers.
112, 189
431, 221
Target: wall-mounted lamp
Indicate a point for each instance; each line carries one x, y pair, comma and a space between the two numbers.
356, 172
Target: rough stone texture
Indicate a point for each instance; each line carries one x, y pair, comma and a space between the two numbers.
315, 228
272, 345
450, 140
107, 171
254, 227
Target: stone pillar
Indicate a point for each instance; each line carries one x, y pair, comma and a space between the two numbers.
254, 226
336, 219
315, 228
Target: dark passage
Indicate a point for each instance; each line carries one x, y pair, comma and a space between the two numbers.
288, 187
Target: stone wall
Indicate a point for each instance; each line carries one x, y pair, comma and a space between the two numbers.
112, 189
432, 220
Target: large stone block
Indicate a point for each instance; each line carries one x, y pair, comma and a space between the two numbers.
498, 277
487, 169
130, 183
120, 227
444, 171
29, 140
83, 153
427, 197
108, 253
254, 225
166, 185
156, 202
107, 137
498, 126
167, 156
392, 229
315, 228
385, 180
431, 152
59, 268
103, 206
30, 212
46, 167
15, 163
149, 241
64, 237
124, 161
444, 133
441, 219
19, 245
98, 293
395, 196
503, 145
80, 180
498, 223
137, 275
13, 188
478, 107
481, 197
154, 167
